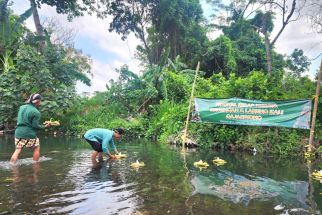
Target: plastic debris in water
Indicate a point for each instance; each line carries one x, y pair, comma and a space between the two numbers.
279, 207
137, 164
219, 161
120, 155
201, 164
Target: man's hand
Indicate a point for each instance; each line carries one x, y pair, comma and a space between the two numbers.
47, 125
112, 156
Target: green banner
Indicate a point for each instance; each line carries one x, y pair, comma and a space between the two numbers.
237, 111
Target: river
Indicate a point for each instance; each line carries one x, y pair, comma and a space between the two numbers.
64, 181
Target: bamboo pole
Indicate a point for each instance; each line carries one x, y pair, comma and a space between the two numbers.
310, 188
315, 108
189, 108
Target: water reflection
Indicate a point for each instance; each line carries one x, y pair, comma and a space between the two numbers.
97, 189
239, 189
31, 178
21, 188
103, 171
69, 184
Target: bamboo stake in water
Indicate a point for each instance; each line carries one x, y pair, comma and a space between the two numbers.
189, 108
315, 108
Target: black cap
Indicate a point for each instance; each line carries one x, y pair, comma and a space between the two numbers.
33, 98
119, 130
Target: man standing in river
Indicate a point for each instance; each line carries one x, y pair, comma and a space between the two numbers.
99, 138
27, 126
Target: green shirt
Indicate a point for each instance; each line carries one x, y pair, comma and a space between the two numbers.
28, 122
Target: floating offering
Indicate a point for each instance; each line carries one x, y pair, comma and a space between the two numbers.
219, 161
120, 155
279, 207
317, 175
9, 180
201, 164
52, 122
137, 164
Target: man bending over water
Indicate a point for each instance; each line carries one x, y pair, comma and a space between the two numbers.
99, 138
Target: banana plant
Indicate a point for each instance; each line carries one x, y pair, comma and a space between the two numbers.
7, 62
10, 26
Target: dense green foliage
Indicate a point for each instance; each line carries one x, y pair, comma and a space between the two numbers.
26, 69
155, 103
166, 117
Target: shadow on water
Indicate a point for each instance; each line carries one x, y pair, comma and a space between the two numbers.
66, 182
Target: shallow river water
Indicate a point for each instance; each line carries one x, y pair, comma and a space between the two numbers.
66, 182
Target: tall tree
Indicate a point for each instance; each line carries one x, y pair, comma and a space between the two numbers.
314, 12
161, 25
76, 8
298, 63
240, 50
133, 16
53, 73
59, 33
263, 22
289, 11
179, 27
11, 28
39, 28
72, 8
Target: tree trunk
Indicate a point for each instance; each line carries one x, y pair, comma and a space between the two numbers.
148, 51
39, 28
4, 24
268, 54
141, 34
267, 46
174, 45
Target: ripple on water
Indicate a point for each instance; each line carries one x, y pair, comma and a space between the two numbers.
89, 198
26, 161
